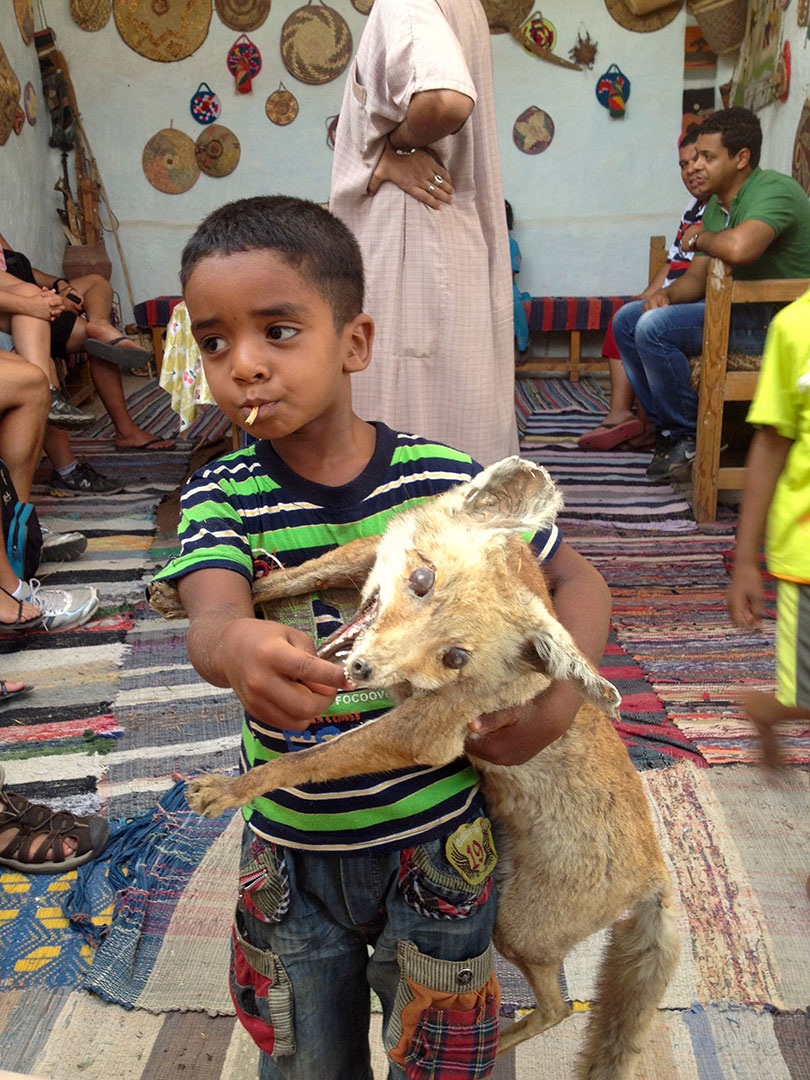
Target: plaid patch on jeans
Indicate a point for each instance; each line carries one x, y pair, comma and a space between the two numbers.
451, 1044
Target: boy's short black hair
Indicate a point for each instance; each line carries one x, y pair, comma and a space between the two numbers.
690, 135
310, 239
738, 129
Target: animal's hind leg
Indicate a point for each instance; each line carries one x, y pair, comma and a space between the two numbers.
551, 1009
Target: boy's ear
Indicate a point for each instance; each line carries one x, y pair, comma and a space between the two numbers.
358, 337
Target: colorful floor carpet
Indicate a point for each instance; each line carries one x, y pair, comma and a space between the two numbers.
736, 847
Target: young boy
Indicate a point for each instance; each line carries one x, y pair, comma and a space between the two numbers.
777, 492
344, 885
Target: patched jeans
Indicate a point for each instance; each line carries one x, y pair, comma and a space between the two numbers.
313, 932
654, 347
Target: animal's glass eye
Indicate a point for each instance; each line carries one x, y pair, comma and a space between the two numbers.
421, 581
456, 657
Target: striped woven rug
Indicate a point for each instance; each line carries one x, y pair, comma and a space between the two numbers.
123, 684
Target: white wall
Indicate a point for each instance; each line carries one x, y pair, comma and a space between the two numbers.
584, 209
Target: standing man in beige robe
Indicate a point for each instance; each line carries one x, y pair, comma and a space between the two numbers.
417, 178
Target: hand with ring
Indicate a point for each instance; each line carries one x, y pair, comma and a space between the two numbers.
419, 175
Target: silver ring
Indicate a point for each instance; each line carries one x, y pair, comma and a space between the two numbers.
431, 188
438, 179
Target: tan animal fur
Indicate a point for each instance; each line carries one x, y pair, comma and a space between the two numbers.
576, 842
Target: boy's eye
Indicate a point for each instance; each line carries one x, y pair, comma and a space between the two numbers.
212, 344
280, 333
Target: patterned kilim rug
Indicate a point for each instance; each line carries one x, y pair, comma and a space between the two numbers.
736, 848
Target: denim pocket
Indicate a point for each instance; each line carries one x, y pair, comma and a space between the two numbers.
444, 1023
434, 883
262, 993
264, 884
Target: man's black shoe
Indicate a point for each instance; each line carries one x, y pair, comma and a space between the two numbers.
657, 469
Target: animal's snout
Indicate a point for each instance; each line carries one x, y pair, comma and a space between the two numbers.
360, 670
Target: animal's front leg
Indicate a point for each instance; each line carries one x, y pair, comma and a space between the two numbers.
406, 736
344, 567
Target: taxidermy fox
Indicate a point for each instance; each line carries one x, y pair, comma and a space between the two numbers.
456, 621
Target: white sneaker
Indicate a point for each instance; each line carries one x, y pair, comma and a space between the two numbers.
63, 609
61, 547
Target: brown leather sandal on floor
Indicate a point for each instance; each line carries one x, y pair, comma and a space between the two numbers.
30, 819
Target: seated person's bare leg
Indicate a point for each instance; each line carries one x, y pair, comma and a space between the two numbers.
25, 400
107, 380
623, 422
98, 295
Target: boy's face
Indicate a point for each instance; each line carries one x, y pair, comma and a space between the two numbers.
687, 160
268, 341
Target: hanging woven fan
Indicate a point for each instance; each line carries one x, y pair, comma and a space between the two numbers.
363, 6
316, 44
163, 30
169, 163
90, 15
24, 10
31, 103
217, 150
243, 15
281, 107
9, 96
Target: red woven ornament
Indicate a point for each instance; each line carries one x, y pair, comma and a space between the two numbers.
244, 63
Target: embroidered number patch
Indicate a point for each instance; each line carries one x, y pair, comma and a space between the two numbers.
471, 850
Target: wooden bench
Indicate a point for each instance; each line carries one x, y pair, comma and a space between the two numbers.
572, 315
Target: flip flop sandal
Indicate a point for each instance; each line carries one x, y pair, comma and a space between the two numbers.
608, 436
125, 358
29, 819
7, 695
19, 623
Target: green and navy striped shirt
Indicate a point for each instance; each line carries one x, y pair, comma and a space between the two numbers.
248, 511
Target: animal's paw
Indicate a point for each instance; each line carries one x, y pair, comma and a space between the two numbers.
211, 796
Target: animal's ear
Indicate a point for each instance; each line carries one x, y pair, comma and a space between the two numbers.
511, 494
560, 659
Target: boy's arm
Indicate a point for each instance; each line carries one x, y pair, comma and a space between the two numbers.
764, 464
583, 605
272, 667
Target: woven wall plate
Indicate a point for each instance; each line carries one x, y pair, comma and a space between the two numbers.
316, 44
363, 6
163, 30
9, 96
642, 24
30, 103
243, 15
533, 131
169, 163
217, 150
90, 15
501, 14
24, 10
281, 107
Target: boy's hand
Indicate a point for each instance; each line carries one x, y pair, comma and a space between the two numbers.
512, 736
746, 595
276, 674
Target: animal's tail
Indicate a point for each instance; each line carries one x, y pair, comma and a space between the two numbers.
639, 961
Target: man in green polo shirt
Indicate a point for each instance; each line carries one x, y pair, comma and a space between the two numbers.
758, 221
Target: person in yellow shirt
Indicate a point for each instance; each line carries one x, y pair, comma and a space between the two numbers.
776, 508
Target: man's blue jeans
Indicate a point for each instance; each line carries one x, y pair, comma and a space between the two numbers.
654, 347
